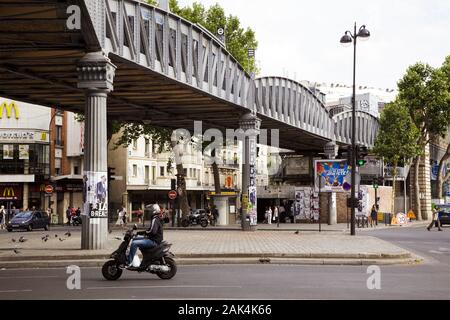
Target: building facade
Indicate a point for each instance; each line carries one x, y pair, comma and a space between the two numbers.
143, 176
24, 154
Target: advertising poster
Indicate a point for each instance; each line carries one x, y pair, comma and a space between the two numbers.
95, 185
8, 152
334, 173
252, 210
24, 152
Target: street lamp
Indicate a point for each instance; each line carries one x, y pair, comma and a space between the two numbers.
348, 38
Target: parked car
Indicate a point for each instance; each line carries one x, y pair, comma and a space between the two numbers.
444, 214
29, 220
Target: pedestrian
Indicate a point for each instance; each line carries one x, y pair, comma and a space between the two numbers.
435, 220
121, 219
282, 214
269, 216
266, 215
14, 211
215, 213
275, 214
139, 215
2, 217
68, 215
373, 216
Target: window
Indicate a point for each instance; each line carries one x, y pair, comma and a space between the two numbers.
154, 146
135, 144
185, 172
58, 137
76, 170
147, 174
153, 173
134, 170
161, 171
147, 146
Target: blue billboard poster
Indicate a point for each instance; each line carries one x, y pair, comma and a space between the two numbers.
334, 175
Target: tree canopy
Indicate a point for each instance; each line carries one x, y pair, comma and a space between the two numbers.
237, 39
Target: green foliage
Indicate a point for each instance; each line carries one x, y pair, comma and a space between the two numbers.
398, 135
424, 92
238, 40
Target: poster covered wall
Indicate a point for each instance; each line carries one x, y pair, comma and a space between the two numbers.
306, 204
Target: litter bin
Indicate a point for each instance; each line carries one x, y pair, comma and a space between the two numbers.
54, 219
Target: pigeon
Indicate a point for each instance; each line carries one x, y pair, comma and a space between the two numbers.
297, 232
16, 251
13, 240
56, 236
118, 238
22, 239
61, 239
67, 234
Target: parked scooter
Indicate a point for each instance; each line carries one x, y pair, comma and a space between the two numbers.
196, 218
76, 221
158, 260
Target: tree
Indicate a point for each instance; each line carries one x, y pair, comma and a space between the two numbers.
440, 179
396, 139
423, 91
238, 40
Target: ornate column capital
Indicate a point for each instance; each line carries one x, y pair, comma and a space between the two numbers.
96, 72
250, 121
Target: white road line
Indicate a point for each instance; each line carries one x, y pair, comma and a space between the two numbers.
159, 287
29, 277
12, 291
437, 252
444, 249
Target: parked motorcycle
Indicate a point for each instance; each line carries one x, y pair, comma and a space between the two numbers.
158, 260
76, 221
196, 218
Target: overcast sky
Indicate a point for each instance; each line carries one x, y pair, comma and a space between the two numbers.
301, 38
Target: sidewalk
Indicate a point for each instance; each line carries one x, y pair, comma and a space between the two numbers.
199, 247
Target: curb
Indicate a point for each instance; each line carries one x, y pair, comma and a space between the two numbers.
216, 261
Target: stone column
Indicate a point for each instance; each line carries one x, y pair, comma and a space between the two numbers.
95, 75
26, 189
331, 150
250, 124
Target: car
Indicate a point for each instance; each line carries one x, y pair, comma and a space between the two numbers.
444, 214
29, 220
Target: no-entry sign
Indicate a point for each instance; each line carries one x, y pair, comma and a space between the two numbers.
172, 194
48, 189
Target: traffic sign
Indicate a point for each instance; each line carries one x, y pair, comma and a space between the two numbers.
172, 194
220, 31
48, 189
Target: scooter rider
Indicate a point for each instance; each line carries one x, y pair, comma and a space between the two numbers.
149, 238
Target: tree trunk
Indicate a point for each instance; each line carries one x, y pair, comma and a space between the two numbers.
184, 205
416, 194
394, 176
440, 179
216, 175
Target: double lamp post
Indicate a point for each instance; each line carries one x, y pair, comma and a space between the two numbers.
347, 39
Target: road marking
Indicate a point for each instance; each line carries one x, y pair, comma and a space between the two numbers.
437, 252
444, 249
29, 277
12, 291
159, 287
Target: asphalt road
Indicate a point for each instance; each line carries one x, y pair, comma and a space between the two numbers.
430, 280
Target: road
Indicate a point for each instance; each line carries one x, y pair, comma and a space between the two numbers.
430, 280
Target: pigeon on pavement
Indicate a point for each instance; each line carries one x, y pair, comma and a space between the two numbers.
67, 234
61, 239
13, 240
16, 251
297, 232
56, 236
22, 239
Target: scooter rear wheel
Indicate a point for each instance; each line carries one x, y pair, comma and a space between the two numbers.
173, 269
204, 223
185, 223
111, 270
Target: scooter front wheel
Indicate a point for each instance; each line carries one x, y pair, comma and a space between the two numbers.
111, 270
185, 223
172, 269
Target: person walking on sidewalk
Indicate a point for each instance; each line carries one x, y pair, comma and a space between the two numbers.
373, 216
435, 220
269, 216
121, 220
275, 214
2, 217
68, 215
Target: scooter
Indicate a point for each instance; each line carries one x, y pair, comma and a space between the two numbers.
158, 260
76, 221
